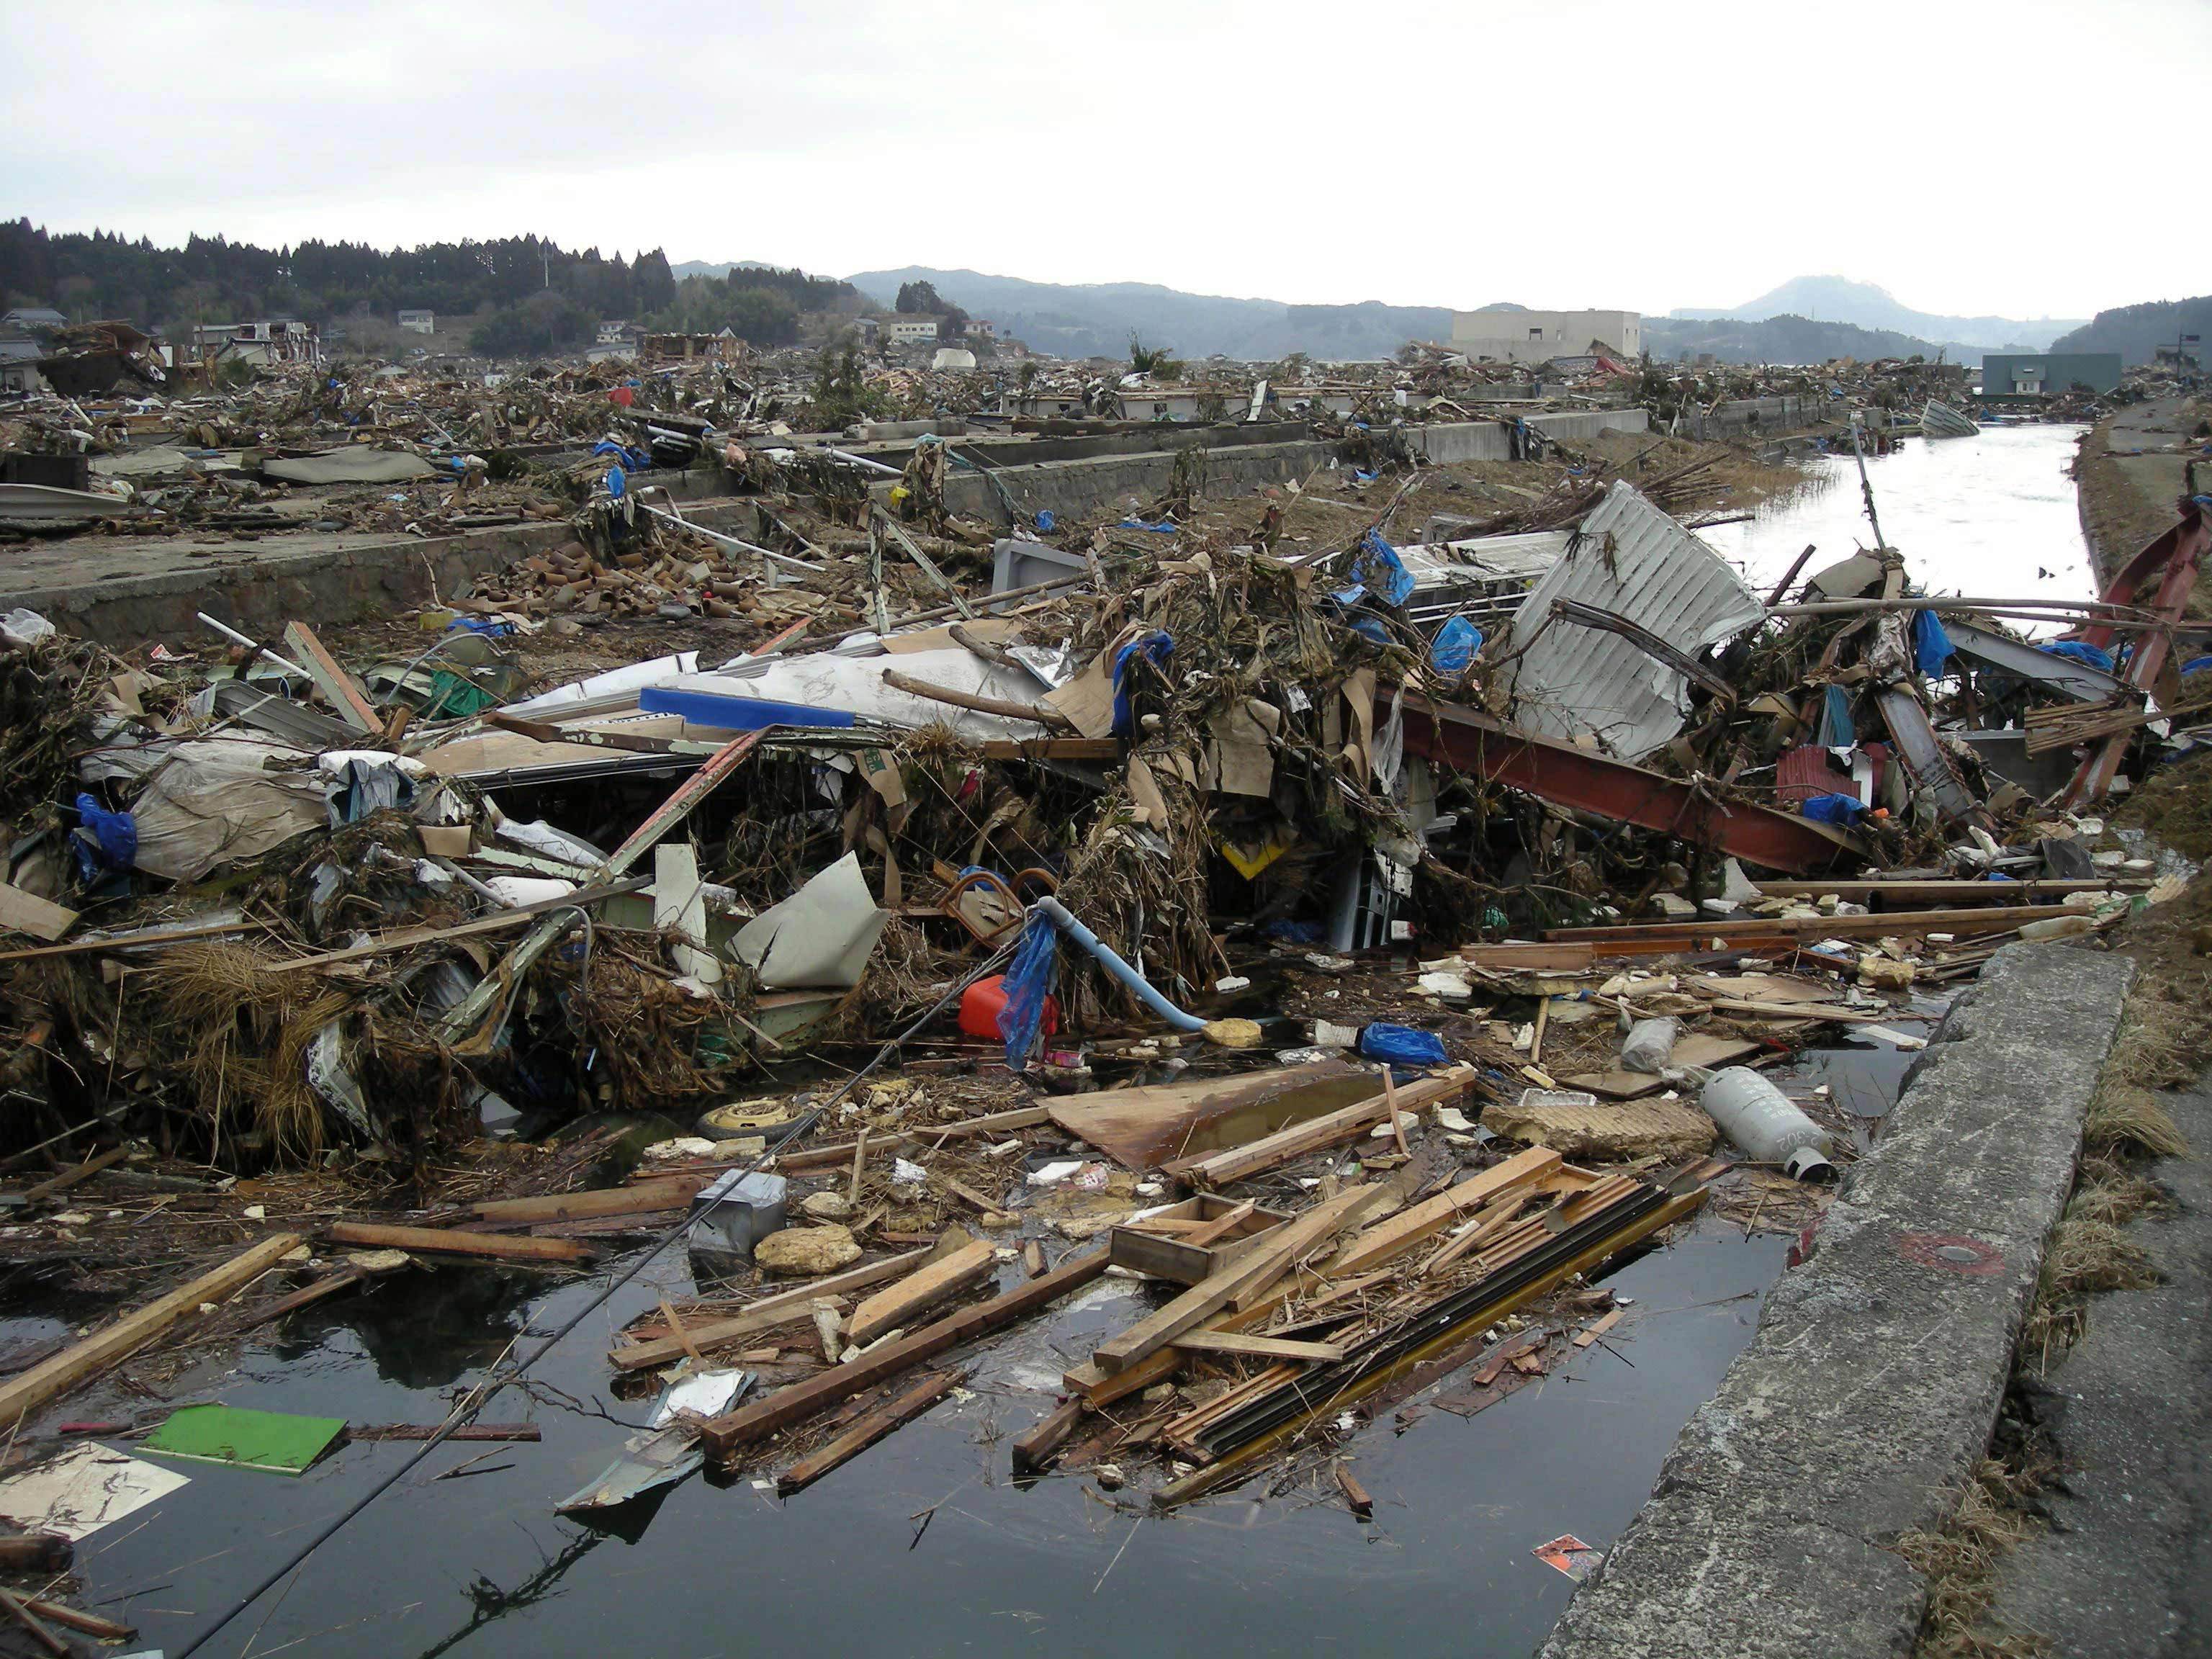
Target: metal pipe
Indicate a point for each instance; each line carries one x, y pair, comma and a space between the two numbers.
255, 646
731, 541
862, 460
1113, 964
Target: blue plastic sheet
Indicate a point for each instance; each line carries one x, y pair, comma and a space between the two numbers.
2079, 651
1401, 1045
115, 839
1157, 648
616, 483
1135, 523
1027, 983
2196, 664
1455, 645
1378, 570
1931, 645
1045, 520
1372, 627
1844, 810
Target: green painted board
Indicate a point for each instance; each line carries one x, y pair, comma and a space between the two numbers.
279, 1442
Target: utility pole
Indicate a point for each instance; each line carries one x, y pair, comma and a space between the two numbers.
1866, 489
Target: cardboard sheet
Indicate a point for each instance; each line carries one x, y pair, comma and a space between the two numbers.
84, 1489
821, 936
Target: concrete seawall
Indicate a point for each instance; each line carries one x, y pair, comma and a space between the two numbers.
1872, 1384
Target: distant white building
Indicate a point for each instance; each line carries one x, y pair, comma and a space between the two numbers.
1504, 335
615, 331
419, 322
912, 330
953, 357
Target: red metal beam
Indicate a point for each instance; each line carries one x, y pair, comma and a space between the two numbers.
1481, 746
2180, 550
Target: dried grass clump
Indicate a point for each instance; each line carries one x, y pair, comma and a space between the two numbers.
2127, 1117
2088, 1254
238, 1031
1961, 1563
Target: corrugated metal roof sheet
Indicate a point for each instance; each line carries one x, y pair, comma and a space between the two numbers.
1635, 562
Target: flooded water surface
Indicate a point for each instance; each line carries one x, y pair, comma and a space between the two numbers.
1987, 517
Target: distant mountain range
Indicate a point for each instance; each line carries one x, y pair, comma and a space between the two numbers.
2135, 331
1839, 300
1784, 339
1096, 320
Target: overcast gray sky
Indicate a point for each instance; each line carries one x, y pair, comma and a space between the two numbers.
2021, 158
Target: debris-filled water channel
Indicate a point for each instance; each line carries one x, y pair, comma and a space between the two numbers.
1370, 980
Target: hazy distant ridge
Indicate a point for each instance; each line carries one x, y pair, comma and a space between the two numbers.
1839, 300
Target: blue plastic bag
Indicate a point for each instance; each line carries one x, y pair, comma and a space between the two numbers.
1455, 647
1845, 809
1401, 1045
2196, 666
1156, 648
1045, 520
1931, 645
1378, 570
1027, 983
616, 483
115, 839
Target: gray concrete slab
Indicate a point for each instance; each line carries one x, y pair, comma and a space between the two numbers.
1872, 1386
2125, 1569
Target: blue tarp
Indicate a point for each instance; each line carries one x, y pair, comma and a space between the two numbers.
1377, 569
1401, 1045
1157, 648
1836, 731
1931, 645
727, 713
1455, 645
2079, 651
1027, 983
114, 844
1845, 809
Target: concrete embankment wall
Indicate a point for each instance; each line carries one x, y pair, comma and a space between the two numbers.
1869, 1392
123, 591
1754, 418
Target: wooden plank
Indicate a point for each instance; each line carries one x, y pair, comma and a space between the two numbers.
1096, 750
1907, 895
819, 1158
656, 1193
328, 1285
70, 1178
1218, 1169
1227, 1222
26, 913
1584, 1338
91, 1624
782, 1309
1355, 1495
1145, 1126
146, 939
1099, 1387
1264, 1347
133, 1331
1567, 959
1402, 1232
894, 1413
1692, 935
723, 1435
1699, 1048
448, 1241
346, 698
1036, 1448
924, 1288
22, 1615
1268, 1257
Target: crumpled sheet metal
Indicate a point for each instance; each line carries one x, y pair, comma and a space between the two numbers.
1634, 561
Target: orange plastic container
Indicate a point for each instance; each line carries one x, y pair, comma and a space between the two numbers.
979, 1005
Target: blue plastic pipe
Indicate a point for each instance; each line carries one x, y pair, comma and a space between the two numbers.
1129, 976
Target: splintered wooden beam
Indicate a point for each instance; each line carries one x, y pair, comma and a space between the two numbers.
893, 1414
346, 698
1402, 1232
1036, 1448
782, 1309
658, 1193
723, 1435
1219, 1169
1261, 1348
448, 1241
1267, 1257
56, 1376
894, 1305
